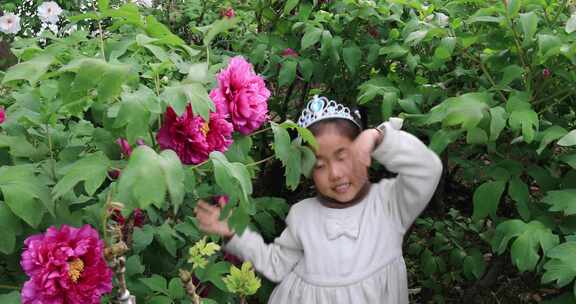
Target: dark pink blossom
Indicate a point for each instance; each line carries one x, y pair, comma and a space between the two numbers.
2, 115
65, 266
125, 147
191, 137
139, 217
546, 73
288, 52
220, 200
228, 12
242, 95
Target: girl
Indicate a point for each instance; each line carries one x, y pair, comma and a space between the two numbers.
345, 244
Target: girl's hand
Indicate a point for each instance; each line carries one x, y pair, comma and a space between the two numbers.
365, 143
208, 217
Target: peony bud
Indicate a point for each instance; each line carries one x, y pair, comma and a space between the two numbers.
228, 13
125, 146
288, 52
546, 73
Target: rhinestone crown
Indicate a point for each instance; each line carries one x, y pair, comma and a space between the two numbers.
320, 108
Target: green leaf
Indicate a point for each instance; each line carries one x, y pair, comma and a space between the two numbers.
156, 283
529, 22
548, 46
290, 5
24, 193
142, 237
308, 161
281, 143
176, 289
474, 264
166, 235
134, 266
467, 109
311, 37
91, 169
9, 225
160, 300
352, 58
530, 237
487, 198
442, 138
141, 178
31, 70
103, 5
527, 120
562, 266
498, 122
231, 177
173, 177
569, 159
571, 24
416, 37
287, 73
511, 73
10, 298
568, 139
179, 95
549, 135
561, 200
293, 167
213, 273
242, 281
307, 69
518, 191
445, 49
476, 136
513, 7
218, 27
393, 51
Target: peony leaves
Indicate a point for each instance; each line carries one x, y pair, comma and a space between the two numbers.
148, 176
31, 70
25, 194
91, 169
9, 227
562, 266
561, 200
529, 239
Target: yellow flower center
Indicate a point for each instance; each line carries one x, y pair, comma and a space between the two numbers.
75, 269
205, 128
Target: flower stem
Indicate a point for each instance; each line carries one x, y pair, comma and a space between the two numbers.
101, 39
9, 287
260, 161
260, 131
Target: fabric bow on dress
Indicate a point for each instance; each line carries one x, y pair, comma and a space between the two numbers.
336, 228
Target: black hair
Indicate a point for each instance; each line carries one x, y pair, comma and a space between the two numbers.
345, 127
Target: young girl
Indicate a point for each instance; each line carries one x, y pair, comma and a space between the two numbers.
345, 244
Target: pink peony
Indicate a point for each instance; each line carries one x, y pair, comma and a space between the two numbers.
228, 13
65, 266
288, 52
2, 115
221, 200
193, 139
125, 147
243, 95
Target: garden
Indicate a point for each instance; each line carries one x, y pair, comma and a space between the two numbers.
117, 116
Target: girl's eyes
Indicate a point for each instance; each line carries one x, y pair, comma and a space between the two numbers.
319, 166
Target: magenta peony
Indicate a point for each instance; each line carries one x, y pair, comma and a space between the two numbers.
192, 138
288, 52
2, 115
125, 147
65, 266
242, 95
228, 13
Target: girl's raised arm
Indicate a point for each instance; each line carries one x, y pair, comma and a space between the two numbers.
419, 170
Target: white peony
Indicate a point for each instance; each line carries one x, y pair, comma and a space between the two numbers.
9, 23
144, 3
49, 12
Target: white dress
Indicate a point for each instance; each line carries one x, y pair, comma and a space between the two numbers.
351, 255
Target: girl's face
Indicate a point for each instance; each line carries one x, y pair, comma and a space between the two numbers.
337, 174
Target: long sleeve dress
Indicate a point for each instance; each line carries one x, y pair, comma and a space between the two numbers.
351, 255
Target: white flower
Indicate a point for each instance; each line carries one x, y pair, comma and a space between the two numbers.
144, 3
442, 19
49, 12
9, 23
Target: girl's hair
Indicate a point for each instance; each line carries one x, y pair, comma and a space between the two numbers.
344, 126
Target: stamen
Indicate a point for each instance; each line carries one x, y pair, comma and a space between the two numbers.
75, 269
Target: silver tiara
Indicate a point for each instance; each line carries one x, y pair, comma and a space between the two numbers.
320, 108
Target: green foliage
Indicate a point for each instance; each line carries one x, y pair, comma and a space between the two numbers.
242, 281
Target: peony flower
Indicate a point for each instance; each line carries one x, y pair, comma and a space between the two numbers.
228, 13
2, 115
221, 200
545, 73
9, 23
144, 3
139, 217
242, 95
114, 173
49, 12
288, 52
65, 266
191, 137
125, 147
